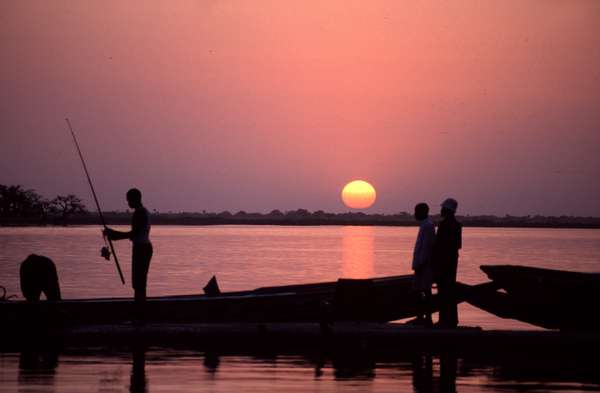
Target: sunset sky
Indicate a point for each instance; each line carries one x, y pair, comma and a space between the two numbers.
269, 104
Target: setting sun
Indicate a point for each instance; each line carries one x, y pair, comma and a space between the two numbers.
359, 194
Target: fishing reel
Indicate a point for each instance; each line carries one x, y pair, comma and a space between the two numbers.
105, 253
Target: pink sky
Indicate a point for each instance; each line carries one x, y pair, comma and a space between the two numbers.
257, 105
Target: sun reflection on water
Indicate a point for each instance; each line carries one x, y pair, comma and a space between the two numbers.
358, 252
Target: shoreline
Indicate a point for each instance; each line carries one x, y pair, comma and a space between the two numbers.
303, 224
298, 217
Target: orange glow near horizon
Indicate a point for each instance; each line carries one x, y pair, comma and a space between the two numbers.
262, 105
359, 194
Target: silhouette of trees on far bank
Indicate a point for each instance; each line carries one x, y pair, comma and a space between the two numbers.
319, 217
19, 206
25, 206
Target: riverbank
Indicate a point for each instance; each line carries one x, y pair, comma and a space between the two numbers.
305, 218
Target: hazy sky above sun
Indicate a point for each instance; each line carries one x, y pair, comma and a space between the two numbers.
270, 104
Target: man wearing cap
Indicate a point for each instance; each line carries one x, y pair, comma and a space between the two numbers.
448, 241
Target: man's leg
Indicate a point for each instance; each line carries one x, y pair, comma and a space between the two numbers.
140, 264
442, 299
452, 306
427, 307
138, 281
422, 309
452, 298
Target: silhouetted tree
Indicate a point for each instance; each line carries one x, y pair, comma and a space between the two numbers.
225, 214
68, 205
18, 202
298, 213
46, 209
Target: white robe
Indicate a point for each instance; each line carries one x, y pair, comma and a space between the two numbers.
422, 256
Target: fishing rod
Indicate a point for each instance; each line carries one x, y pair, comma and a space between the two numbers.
87, 174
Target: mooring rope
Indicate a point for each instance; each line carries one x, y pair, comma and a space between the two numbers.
4, 297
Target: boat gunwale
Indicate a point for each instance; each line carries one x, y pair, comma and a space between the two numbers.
316, 289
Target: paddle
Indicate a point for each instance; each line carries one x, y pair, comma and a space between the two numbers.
112, 248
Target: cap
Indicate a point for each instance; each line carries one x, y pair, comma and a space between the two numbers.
450, 204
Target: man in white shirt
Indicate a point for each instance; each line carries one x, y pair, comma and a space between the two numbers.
422, 263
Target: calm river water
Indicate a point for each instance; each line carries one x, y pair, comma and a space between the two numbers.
245, 257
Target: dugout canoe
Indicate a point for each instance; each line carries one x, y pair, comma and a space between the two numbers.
553, 299
374, 300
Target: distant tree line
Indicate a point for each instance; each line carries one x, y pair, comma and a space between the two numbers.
319, 217
25, 206
19, 206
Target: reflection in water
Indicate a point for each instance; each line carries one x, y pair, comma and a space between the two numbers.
358, 253
211, 362
333, 370
139, 382
358, 365
448, 366
37, 369
422, 377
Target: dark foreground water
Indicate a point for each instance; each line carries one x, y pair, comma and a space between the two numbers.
245, 257
156, 370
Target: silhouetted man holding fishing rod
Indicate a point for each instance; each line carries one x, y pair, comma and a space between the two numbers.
142, 249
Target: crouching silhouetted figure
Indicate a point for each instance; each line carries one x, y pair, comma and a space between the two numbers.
38, 274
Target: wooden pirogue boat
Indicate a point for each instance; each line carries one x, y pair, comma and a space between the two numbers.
378, 299
552, 299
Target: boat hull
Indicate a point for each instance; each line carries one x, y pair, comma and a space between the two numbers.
375, 300
548, 298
